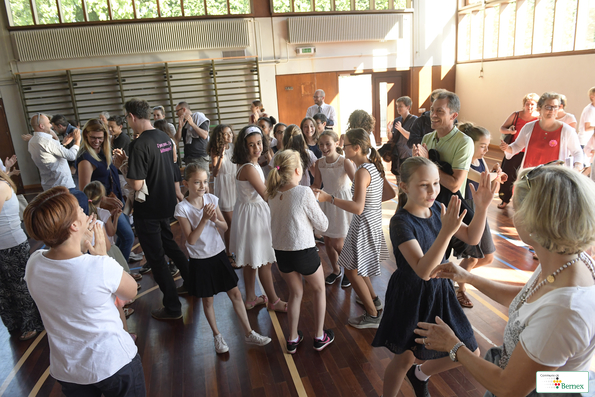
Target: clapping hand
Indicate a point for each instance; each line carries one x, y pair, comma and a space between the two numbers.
99, 247
119, 157
483, 196
208, 213
420, 151
10, 161
451, 220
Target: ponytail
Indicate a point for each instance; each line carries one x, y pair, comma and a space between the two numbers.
285, 163
361, 138
376, 160
402, 197
95, 191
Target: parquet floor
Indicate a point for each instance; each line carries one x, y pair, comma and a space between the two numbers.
179, 358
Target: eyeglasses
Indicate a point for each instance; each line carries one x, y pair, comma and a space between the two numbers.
39, 118
528, 175
548, 107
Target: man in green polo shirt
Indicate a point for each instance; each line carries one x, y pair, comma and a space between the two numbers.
453, 146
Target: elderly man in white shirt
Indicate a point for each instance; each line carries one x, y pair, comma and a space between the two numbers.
50, 156
321, 107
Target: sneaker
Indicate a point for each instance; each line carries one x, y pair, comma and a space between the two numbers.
173, 269
420, 387
162, 314
220, 345
364, 321
135, 257
319, 239
345, 283
377, 302
257, 339
182, 290
331, 278
292, 346
145, 269
320, 344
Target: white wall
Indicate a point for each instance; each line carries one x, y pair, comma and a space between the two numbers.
489, 100
433, 44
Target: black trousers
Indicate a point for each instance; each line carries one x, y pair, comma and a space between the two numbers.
510, 167
129, 381
157, 240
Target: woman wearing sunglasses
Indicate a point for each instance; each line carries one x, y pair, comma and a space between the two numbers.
546, 139
551, 324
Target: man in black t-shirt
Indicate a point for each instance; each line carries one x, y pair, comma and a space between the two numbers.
151, 164
193, 130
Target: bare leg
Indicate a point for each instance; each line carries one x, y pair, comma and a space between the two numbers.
296, 292
249, 282
370, 287
395, 373
316, 280
207, 305
227, 215
238, 306
361, 289
333, 250
432, 367
123, 317
266, 277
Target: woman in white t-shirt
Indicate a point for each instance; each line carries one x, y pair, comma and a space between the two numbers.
551, 322
90, 352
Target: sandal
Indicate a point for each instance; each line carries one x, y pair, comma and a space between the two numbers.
28, 335
232, 260
136, 276
502, 205
128, 311
260, 300
464, 301
272, 306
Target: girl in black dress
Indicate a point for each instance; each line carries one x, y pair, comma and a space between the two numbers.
420, 232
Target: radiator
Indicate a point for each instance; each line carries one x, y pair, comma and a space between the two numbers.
129, 38
342, 28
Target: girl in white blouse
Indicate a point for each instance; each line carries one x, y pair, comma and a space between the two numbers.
294, 214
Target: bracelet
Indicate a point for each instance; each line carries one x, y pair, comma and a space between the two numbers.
332, 199
453, 352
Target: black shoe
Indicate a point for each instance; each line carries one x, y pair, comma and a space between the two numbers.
145, 269
345, 283
162, 314
319, 239
182, 290
420, 387
173, 269
292, 346
328, 338
331, 278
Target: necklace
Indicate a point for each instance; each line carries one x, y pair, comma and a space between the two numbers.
552, 277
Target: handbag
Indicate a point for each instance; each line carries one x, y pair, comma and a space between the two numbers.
508, 137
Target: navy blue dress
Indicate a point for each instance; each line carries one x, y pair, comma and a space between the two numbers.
108, 176
409, 299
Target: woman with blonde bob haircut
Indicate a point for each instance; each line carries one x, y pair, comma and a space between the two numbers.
294, 214
551, 324
90, 352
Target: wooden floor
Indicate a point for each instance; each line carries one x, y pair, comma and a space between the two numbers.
179, 358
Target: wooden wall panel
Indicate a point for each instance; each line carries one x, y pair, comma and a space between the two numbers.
295, 94
424, 81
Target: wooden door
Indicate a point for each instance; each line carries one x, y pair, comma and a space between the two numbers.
397, 84
6, 146
295, 94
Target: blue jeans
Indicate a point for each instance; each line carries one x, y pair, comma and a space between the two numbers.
125, 236
129, 381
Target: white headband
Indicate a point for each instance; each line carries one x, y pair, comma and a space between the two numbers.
253, 130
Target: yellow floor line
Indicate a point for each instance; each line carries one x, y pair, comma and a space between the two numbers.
486, 304
20, 363
40, 383
295, 375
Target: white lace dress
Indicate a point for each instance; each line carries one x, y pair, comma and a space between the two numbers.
225, 185
335, 181
250, 238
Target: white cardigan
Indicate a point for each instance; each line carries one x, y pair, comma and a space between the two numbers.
570, 146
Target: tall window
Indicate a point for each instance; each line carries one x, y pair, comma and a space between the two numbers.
48, 12
304, 6
498, 29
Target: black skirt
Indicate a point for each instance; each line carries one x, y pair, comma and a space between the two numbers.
409, 300
210, 276
305, 262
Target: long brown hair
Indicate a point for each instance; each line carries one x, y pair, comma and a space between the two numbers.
294, 139
360, 137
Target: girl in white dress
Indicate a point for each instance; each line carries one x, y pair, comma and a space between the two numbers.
220, 148
251, 226
335, 173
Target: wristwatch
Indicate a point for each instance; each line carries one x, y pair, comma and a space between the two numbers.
453, 352
332, 199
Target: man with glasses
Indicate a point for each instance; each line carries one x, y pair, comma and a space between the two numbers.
51, 157
193, 129
321, 107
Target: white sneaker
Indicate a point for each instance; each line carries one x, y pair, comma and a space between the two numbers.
257, 339
220, 345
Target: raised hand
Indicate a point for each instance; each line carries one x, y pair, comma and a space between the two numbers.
10, 161
451, 220
483, 196
99, 247
504, 146
420, 151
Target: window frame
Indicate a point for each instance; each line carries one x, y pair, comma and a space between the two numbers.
293, 13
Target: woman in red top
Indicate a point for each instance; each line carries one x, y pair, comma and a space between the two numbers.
512, 126
547, 139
